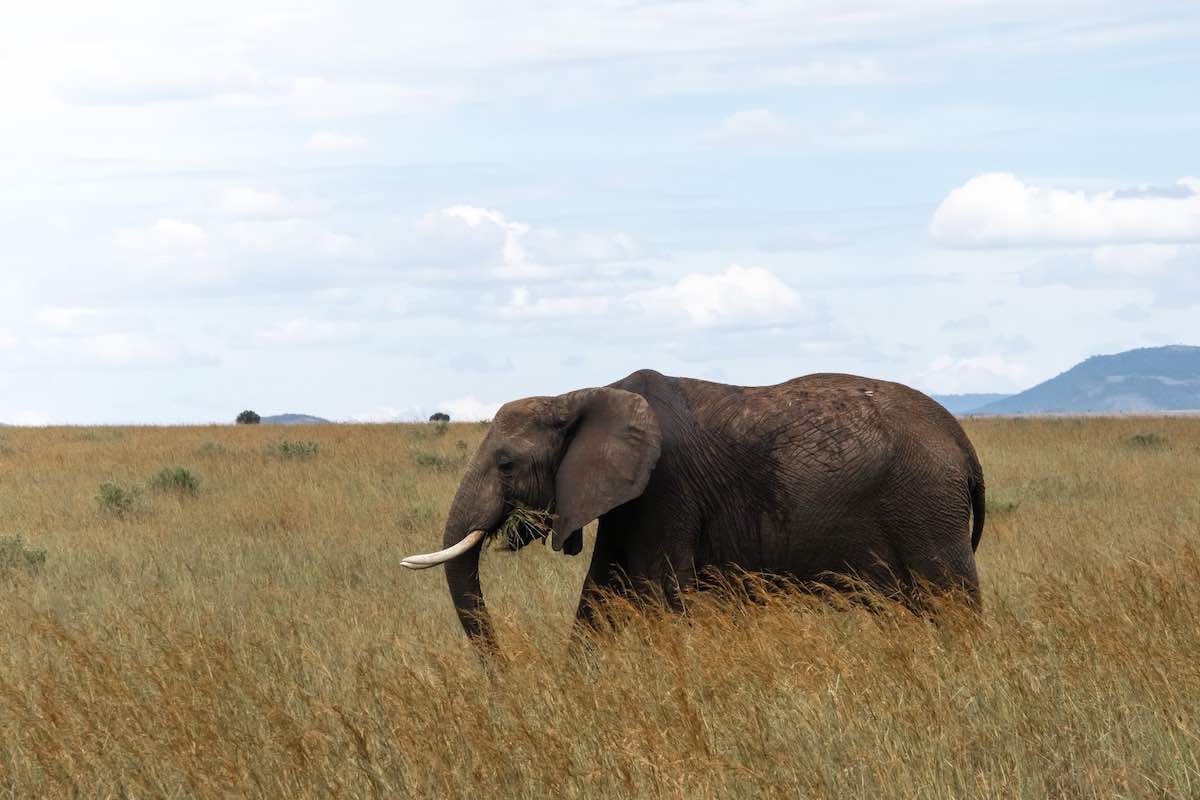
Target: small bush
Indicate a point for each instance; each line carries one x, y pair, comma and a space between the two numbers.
1150, 440
6, 449
178, 480
209, 449
437, 461
16, 556
294, 450
1000, 505
119, 499
440, 428
248, 417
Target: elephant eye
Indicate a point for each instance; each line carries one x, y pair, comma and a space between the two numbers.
505, 463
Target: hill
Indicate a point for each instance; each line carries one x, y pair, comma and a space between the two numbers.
1149, 379
294, 419
966, 403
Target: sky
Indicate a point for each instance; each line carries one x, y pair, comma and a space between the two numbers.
373, 211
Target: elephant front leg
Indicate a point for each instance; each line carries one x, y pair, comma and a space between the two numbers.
605, 579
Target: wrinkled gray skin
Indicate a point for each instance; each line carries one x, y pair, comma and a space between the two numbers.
822, 474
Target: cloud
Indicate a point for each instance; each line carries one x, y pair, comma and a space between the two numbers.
739, 295
476, 362
167, 237
265, 253
751, 126
999, 209
521, 306
246, 201
1169, 273
982, 373
483, 239
469, 408
305, 331
332, 142
323, 97
116, 350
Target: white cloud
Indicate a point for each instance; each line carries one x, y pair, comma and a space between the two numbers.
332, 142
167, 237
469, 408
522, 306
950, 375
739, 295
122, 349
300, 237
305, 331
328, 98
281, 253
485, 239
72, 318
751, 126
246, 201
999, 209
30, 418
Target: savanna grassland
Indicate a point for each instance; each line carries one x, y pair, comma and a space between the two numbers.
242, 627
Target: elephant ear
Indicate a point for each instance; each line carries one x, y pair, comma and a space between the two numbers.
613, 443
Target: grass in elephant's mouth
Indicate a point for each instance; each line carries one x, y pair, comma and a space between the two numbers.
522, 526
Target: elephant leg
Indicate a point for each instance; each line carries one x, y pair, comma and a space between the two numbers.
679, 579
605, 577
939, 561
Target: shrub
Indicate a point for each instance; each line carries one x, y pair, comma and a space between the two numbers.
295, 450
211, 449
15, 555
1000, 505
1151, 440
5, 448
248, 417
119, 499
437, 461
179, 480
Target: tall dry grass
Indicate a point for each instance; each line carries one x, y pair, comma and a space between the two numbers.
259, 638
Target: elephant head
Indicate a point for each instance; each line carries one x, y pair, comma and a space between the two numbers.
580, 455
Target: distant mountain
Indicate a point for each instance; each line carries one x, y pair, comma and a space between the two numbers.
294, 419
966, 403
1149, 379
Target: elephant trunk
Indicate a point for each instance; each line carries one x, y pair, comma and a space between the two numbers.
476, 511
462, 578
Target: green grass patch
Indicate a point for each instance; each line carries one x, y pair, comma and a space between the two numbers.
121, 500
176, 480
16, 556
294, 450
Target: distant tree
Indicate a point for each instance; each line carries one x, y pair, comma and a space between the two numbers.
248, 417
440, 417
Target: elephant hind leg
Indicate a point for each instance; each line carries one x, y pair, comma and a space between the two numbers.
943, 569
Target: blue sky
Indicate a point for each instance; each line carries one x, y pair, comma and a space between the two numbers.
370, 212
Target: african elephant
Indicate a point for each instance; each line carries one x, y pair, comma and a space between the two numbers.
822, 474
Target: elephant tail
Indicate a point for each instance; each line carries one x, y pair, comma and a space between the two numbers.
978, 505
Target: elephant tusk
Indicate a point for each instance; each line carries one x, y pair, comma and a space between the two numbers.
442, 556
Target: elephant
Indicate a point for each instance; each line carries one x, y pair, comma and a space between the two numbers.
822, 475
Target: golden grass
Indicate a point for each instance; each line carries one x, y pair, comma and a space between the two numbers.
261, 639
